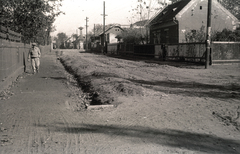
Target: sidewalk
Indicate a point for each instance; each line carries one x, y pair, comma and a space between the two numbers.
48, 80
37, 100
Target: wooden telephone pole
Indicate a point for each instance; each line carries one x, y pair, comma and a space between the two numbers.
208, 39
86, 33
104, 15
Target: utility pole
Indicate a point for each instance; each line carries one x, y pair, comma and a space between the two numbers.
86, 33
208, 39
104, 15
80, 28
94, 30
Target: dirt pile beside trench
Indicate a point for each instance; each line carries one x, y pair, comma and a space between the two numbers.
101, 84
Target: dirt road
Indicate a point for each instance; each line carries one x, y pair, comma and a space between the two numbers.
158, 108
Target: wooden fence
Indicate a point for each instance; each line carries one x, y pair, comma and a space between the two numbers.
13, 56
193, 52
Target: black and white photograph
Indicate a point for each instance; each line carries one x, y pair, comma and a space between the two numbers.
120, 77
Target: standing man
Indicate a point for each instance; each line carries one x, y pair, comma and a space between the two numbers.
34, 54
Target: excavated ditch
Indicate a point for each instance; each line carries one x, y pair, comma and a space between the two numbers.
85, 84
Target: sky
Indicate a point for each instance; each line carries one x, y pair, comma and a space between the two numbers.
76, 11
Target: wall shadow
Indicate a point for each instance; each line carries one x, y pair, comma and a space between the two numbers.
166, 137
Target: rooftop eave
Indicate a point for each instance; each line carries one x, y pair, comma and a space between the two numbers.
148, 23
166, 21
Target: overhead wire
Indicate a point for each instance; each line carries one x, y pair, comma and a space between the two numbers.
97, 18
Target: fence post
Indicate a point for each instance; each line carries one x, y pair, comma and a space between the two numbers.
7, 33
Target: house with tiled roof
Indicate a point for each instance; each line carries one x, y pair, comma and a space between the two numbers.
171, 24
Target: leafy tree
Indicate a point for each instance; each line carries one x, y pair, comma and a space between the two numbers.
196, 35
144, 9
233, 6
32, 18
224, 35
227, 35
132, 35
60, 39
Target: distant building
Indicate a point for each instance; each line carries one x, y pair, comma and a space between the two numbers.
171, 24
139, 24
111, 35
74, 42
78, 42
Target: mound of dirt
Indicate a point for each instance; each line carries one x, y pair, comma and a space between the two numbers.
102, 87
128, 89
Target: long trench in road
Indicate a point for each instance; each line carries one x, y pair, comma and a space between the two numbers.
85, 85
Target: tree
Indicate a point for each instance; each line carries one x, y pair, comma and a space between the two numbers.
145, 9
132, 35
60, 39
32, 18
233, 6
196, 35
227, 35
224, 35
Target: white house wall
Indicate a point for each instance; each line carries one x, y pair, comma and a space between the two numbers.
112, 38
193, 18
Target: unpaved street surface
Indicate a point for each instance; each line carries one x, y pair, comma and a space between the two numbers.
157, 108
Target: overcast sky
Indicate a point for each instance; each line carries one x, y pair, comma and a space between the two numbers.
76, 11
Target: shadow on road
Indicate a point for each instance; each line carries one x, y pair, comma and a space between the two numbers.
192, 89
166, 137
180, 64
55, 78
